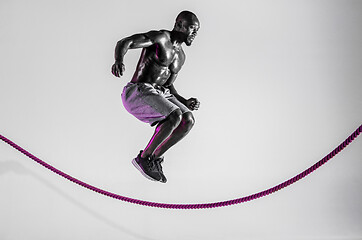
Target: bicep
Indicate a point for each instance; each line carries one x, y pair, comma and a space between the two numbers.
143, 40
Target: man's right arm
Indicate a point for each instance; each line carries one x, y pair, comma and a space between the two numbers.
141, 40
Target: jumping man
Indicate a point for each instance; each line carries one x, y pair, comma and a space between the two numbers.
151, 95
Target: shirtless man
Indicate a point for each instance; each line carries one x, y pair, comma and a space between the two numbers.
151, 95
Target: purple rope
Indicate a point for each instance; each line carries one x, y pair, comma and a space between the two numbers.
199, 205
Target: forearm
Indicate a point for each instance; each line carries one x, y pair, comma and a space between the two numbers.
180, 98
121, 49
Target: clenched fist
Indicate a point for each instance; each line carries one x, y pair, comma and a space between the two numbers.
118, 68
193, 104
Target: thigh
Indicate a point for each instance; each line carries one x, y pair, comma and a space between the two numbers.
171, 98
147, 103
157, 99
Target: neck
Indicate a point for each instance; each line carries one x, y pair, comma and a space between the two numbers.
176, 38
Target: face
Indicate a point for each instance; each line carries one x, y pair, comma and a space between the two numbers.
191, 32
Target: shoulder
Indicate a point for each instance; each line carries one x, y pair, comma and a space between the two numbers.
158, 36
182, 54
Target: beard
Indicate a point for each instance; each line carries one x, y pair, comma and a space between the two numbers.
189, 41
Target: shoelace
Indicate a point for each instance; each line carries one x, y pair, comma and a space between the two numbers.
152, 165
158, 162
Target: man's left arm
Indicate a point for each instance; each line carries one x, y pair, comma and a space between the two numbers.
191, 103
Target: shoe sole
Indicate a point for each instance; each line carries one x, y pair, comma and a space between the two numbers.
134, 162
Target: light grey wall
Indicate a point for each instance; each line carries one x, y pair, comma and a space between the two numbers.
280, 87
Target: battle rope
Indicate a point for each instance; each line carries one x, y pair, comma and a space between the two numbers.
192, 206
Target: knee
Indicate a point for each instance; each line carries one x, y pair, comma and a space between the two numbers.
188, 121
175, 118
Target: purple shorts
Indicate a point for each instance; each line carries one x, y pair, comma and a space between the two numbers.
149, 104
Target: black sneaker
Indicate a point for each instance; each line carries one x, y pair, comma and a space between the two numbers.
158, 162
147, 167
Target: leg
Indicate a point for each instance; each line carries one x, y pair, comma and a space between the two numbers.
180, 132
162, 131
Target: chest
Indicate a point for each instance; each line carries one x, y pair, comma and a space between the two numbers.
169, 56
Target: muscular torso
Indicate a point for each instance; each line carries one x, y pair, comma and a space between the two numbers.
159, 63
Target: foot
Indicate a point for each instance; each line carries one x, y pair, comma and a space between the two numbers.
158, 162
147, 167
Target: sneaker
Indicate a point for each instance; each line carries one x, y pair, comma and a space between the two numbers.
158, 162
147, 167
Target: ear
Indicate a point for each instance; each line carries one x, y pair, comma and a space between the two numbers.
178, 25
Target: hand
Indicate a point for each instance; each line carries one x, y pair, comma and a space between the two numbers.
118, 69
193, 104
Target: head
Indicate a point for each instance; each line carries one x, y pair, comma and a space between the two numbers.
187, 24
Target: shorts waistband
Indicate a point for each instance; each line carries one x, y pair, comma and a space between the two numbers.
154, 85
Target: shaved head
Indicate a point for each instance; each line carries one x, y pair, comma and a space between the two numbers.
187, 17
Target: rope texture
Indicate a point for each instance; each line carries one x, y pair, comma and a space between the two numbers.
192, 206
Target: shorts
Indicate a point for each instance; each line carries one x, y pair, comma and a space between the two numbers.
149, 104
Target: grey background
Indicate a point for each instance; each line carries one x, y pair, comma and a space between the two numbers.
280, 87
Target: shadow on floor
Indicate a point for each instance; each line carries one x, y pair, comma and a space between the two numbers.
14, 167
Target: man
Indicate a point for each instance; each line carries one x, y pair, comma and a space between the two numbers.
151, 95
